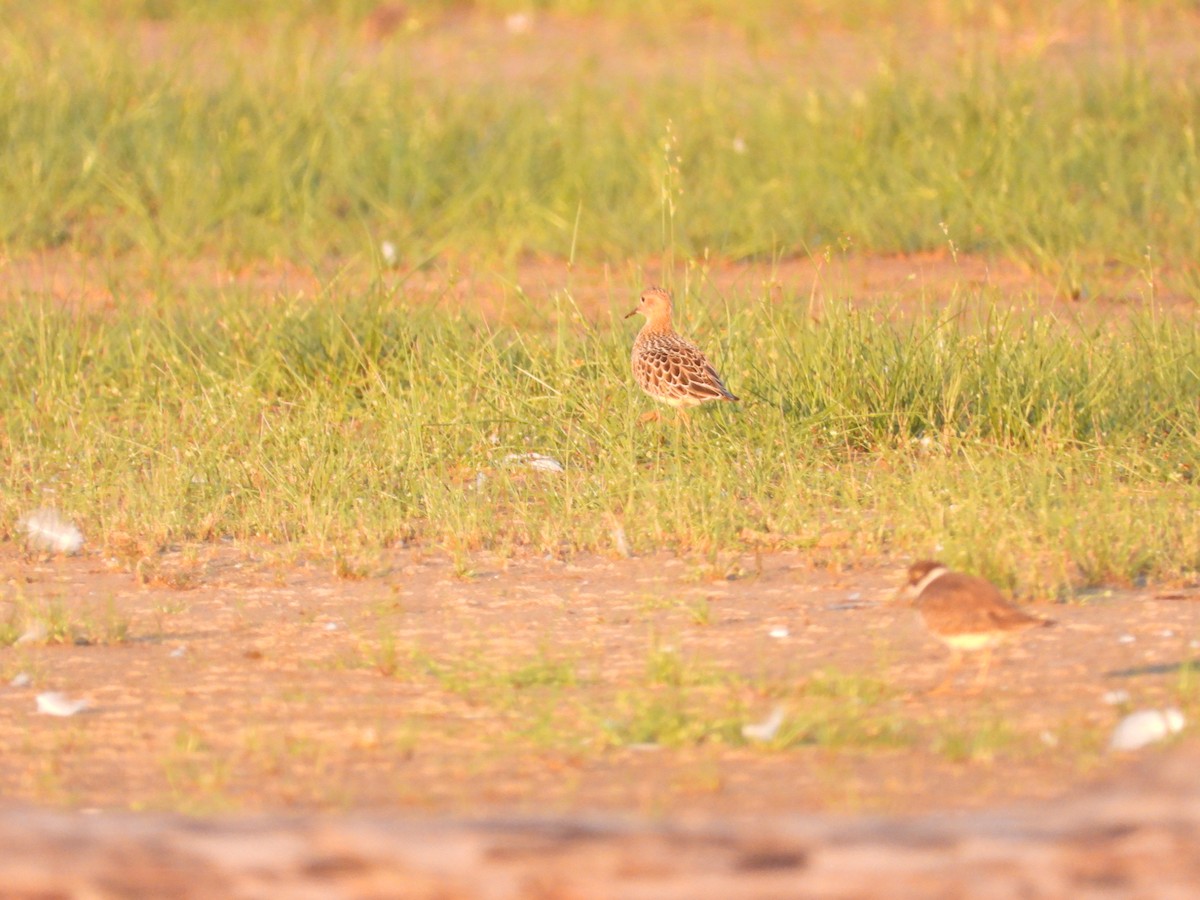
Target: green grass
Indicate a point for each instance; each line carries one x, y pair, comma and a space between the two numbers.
979, 740
55, 620
837, 709
269, 140
198, 778
671, 716
680, 700
479, 679
1044, 454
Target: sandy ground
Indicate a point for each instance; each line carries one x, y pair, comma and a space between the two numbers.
246, 678
892, 285
251, 679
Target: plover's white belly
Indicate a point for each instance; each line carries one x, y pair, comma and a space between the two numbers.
977, 640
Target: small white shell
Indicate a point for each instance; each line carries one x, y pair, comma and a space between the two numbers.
53, 703
535, 461
766, 729
1145, 727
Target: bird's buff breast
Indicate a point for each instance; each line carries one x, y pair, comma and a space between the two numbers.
973, 640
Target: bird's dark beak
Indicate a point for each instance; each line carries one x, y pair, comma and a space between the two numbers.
631, 313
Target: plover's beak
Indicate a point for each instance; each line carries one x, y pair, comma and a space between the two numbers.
631, 313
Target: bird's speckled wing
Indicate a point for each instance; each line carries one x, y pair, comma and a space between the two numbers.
672, 368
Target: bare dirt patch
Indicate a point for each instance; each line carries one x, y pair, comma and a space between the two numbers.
1130, 838
821, 46
246, 679
544, 289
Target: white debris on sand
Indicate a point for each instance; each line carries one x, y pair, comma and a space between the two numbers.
535, 461
49, 530
1145, 727
35, 632
54, 703
766, 729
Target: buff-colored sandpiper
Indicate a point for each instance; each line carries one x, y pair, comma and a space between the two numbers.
668, 366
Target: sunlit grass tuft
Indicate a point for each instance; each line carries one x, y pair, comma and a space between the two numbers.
278, 135
57, 620
1042, 453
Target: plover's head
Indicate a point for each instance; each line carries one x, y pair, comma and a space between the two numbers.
918, 576
655, 305
918, 570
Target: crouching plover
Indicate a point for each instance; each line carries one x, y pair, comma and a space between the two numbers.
964, 612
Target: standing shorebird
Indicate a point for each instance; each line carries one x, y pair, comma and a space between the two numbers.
668, 366
964, 612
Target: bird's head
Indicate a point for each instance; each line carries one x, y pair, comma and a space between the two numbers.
915, 575
654, 304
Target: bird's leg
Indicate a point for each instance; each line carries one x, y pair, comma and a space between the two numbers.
682, 418
946, 685
652, 416
676, 430
981, 678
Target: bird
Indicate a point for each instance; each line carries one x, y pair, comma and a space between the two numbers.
668, 366
965, 612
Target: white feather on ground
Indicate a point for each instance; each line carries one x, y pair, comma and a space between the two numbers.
1145, 727
766, 729
35, 632
53, 703
48, 529
535, 461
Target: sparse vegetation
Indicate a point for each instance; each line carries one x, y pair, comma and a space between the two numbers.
154, 149
53, 620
